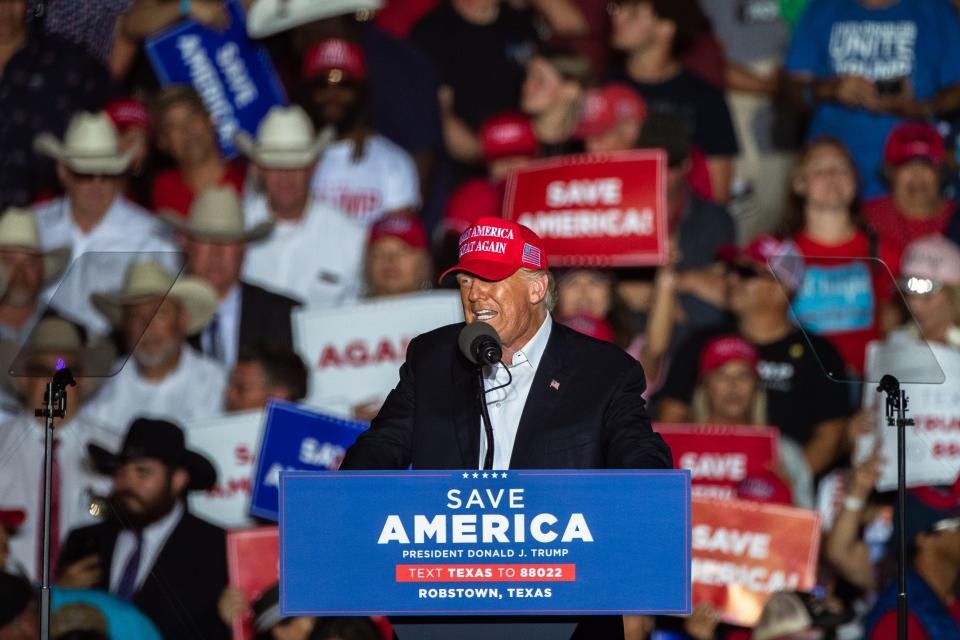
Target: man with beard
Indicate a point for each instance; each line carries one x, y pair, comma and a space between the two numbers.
74, 487
151, 551
27, 269
362, 172
166, 378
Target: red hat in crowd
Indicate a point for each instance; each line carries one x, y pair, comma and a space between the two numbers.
724, 349
589, 325
509, 134
603, 108
765, 486
404, 226
914, 141
335, 59
782, 256
495, 249
128, 113
471, 201
10, 519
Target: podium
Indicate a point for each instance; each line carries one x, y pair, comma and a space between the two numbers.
506, 554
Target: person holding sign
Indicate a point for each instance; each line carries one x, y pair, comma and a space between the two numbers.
572, 402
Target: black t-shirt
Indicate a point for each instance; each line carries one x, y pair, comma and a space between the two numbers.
799, 394
701, 105
483, 64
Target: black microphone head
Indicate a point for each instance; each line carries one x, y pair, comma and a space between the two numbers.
480, 343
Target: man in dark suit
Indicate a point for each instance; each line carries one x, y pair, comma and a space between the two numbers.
215, 240
150, 550
572, 402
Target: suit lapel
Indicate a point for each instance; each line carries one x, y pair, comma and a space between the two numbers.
466, 411
541, 401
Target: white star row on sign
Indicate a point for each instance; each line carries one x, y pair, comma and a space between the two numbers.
484, 475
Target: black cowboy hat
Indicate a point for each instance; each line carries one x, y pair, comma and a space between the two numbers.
162, 441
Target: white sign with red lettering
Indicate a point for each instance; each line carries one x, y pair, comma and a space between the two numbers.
933, 445
230, 443
354, 353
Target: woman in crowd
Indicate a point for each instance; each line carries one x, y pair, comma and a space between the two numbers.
553, 91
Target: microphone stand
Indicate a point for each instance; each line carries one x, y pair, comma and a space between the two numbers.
485, 414
896, 414
54, 406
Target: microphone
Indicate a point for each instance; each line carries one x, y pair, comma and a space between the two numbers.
480, 343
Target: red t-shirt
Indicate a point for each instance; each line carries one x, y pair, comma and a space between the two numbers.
886, 628
171, 192
898, 230
840, 296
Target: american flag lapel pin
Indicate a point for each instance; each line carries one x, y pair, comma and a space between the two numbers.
554, 384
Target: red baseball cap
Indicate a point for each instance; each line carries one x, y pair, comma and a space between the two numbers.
765, 486
509, 134
471, 201
914, 141
494, 249
10, 519
603, 108
589, 325
724, 349
335, 55
128, 112
406, 227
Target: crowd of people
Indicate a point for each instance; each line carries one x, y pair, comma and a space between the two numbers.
812, 184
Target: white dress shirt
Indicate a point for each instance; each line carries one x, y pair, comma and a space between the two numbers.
317, 260
505, 406
154, 537
126, 234
192, 391
21, 467
228, 329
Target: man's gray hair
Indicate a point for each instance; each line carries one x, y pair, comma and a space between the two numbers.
550, 300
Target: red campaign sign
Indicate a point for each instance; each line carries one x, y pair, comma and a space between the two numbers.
743, 552
719, 456
605, 209
253, 565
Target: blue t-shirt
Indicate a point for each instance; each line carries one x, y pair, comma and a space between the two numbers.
918, 39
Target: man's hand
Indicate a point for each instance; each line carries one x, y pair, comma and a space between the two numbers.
231, 605
211, 13
856, 91
703, 622
82, 574
904, 104
864, 476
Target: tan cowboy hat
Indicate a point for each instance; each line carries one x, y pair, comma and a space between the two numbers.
90, 145
18, 230
145, 280
216, 215
267, 17
285, 140
54, 335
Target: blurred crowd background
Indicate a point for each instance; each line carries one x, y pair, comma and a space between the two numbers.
823, 131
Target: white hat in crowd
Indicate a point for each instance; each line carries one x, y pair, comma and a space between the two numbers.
18, 231
146, 280
267, 17
90, 145
285, 140
216, 216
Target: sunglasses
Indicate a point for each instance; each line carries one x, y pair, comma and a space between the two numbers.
745, 271
950, 524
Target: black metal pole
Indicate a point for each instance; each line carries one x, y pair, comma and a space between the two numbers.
485, 416
902, 517
47, 488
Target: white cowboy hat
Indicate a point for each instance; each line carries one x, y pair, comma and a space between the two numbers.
267, 17
285, 140
90, 145
18, 231
217, 216
145, 280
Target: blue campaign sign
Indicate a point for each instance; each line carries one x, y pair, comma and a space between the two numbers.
474, 542
296, 439
235, 78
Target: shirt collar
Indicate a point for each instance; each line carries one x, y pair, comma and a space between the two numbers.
532, 352
230, 302
160, 530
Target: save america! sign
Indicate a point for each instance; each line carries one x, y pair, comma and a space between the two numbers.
595, 209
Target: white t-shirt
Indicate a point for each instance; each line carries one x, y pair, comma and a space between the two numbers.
126, 234
317, 260
383, 179
192, 391
21, 467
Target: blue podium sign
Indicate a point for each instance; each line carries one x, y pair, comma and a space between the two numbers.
497, 543
296, 439
234, 77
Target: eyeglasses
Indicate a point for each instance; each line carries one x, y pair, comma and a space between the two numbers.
920, 286
90, 177
950, 524
744, 271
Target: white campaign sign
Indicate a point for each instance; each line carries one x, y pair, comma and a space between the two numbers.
354, 353
230, 443
933, 445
